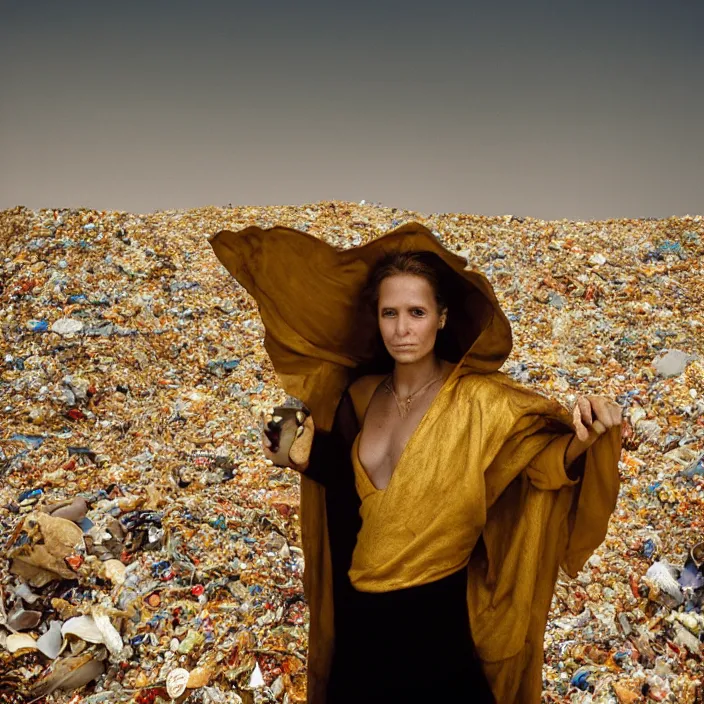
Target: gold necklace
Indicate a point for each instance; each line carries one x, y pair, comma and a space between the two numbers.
404, 407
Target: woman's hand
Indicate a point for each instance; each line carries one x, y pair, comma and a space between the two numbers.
299, 449
592, 416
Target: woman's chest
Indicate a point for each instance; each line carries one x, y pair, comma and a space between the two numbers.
384, 438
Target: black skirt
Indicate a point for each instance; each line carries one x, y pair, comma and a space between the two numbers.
409, 646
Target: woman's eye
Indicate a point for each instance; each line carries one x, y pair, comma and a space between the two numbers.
418, 312
387, 313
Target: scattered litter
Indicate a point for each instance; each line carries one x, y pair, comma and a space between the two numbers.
151, 553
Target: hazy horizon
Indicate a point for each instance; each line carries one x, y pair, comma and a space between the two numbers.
586, 112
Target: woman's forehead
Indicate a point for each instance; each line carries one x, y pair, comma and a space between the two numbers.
405, 289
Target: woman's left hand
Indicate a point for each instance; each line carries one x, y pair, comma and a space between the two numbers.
592, 416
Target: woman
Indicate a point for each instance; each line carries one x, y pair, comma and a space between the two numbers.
447, 495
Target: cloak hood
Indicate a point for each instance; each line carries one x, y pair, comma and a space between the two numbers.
318, 335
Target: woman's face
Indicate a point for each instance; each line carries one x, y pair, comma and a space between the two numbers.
408, 317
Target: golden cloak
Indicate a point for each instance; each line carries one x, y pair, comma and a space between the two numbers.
320, 340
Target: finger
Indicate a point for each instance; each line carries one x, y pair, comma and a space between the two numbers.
265, 441
301, 446
608, 412
582, 432
598, 427
579, 427
610, 415
309, 425
585, 408
602, 412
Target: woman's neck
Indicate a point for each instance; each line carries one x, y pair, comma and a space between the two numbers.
408, 378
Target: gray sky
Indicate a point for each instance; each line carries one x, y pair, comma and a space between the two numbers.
582, 110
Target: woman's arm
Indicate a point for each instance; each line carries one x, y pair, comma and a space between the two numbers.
562, 462
550, 470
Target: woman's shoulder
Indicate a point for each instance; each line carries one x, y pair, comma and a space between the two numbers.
498, 388
361, 391
483, 380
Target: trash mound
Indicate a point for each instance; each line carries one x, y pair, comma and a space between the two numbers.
151, 554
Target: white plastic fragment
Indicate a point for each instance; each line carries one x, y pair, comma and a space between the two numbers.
111, 638
662, 576
176, 682
20, 641
25, 593
67, 326
672, 363
50, 643
256, 680
84, 627
96, 628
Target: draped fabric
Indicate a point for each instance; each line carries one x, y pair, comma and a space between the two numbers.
525, 518
424, 525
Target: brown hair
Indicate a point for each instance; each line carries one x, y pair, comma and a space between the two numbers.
422, 264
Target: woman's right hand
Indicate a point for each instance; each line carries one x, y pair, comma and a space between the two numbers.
298, 449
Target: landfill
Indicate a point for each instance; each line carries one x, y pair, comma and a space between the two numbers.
150, 552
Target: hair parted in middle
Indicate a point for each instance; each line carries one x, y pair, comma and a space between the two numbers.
423, 264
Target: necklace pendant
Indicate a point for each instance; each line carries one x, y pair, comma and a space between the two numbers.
404, 407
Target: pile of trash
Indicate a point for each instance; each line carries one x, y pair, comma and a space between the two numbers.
151, 553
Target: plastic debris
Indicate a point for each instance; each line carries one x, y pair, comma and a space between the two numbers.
176, 682
67, 326
134, 494
256, 680
672, 363
41, 547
